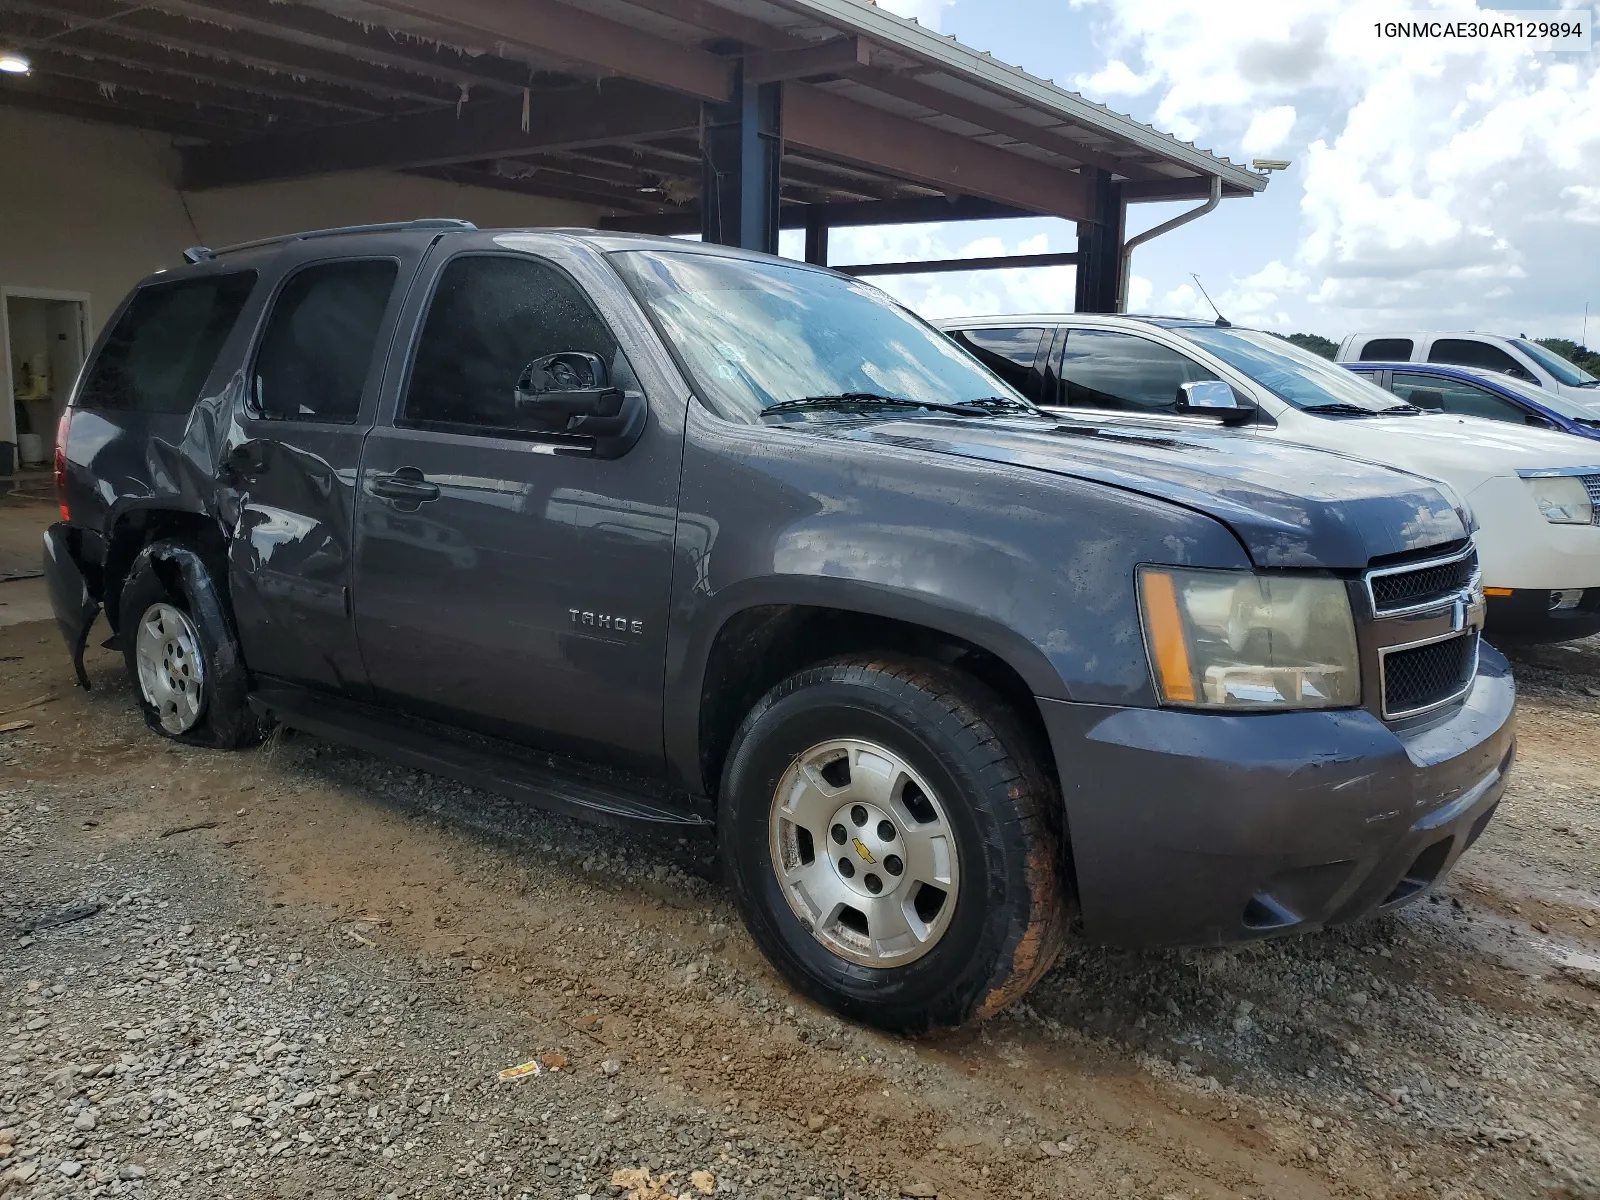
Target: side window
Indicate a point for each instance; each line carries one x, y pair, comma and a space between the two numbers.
318, 346
161, 349
1459, 352
1107, 369
1387, 350
1009, 353
1463, 399
491, 315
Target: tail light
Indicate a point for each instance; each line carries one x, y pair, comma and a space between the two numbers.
60, 461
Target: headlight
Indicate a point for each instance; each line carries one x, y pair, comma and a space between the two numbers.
1233, 639
1563, 500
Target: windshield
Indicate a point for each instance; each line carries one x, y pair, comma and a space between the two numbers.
1568, 373
1544, 397
1290, 373
757, 334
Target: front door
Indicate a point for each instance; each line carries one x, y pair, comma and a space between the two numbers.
505, 579
290, 462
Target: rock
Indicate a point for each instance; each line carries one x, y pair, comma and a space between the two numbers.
815, 1123
704, 1182
919, 1189
84, 1122
1357, 999
610, 1068
37, 1024
130, 1171
69, 1167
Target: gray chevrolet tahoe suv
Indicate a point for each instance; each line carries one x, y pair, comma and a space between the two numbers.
649, 531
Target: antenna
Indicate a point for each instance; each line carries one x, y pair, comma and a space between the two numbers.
1222, 321
1586, 324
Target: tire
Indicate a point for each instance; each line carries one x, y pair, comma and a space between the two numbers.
955, 751
170, 597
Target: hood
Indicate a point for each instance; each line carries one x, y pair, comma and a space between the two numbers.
1462, 451
1290, 506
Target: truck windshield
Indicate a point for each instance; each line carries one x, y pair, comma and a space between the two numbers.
1295, 375
759, 334
1565, 372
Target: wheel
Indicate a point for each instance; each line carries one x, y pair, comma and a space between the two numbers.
889, 836
183, 660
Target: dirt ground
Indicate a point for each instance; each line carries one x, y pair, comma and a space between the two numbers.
295, 971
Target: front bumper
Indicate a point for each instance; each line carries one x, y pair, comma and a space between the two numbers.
1526, 616
1201, 828
71, 598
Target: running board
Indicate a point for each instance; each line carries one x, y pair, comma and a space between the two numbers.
543, 780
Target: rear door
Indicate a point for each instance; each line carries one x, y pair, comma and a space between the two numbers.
311, 383
507, 580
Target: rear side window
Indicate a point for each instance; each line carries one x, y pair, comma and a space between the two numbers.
318, 347
1009, 353
164, 345
1459, 352
1455, 396
492, 315
1387, 350
1102, 368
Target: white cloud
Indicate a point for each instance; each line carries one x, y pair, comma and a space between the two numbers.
1269, 130
1116, 78
1441, 182
926, 12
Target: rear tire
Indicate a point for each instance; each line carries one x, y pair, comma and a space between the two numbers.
943, 900
183, 660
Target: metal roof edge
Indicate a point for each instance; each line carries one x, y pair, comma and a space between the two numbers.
939, 50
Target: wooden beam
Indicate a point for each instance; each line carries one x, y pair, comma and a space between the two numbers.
75, 97
714, 19
97, 47
111, 74
906, 87
821, 121
1004, 262
603, 46
228, 45
840, 56
842, 216
548, 185
482, 129
1193, 187
312, 27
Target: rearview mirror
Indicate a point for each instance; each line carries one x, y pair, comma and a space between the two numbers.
570, 393
1211, 398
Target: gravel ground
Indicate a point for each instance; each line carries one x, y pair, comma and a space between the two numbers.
297, 971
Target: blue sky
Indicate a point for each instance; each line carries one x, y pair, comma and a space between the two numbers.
1431, 188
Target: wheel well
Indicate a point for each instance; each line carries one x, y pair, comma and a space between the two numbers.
760, 646
136, 530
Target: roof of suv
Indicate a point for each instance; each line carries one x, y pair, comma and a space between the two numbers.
1010, 319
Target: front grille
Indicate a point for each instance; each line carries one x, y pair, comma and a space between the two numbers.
1419, 677
1591, 483
1397, 588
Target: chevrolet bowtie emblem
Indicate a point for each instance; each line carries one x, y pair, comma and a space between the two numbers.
861, 849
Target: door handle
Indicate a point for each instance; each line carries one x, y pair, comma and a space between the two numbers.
407, 484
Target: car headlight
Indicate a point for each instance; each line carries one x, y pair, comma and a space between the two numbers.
1234, 639
1562, 499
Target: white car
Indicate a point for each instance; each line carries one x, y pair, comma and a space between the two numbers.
1521, 358
1535, 493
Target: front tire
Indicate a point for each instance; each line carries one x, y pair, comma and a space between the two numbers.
889, 834
183, 660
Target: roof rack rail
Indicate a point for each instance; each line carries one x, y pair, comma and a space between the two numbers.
196, 254
442, 223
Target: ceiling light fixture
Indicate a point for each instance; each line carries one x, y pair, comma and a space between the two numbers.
13, 63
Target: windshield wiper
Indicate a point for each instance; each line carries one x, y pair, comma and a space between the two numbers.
1355, 410
846, 400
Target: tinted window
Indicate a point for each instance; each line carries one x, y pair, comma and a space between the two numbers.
1297, 376
161, 349
1565, 372
1387, 350
489, 318
1009, 353
1463, 399
1461, 353
318, 347
1106, 369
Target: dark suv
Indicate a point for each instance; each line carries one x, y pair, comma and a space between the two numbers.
651, 531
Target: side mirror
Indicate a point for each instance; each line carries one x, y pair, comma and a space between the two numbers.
1212, 398
1426, 398
571, 394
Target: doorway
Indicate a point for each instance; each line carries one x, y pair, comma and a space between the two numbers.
44, 335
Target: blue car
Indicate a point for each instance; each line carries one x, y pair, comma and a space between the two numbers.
1474, 392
